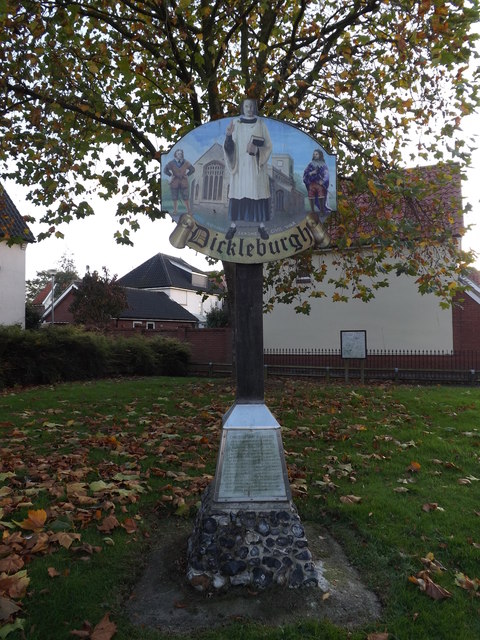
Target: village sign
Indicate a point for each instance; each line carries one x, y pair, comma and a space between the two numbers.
248, 189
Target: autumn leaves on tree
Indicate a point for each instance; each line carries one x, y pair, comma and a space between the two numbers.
93, 92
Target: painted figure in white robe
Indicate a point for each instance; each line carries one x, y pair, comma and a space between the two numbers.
247, 150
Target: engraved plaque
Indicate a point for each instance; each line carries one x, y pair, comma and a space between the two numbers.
251, 466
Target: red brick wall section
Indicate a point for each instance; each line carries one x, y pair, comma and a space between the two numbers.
62, 314
466, 324
209, 345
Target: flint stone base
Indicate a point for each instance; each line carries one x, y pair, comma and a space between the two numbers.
248, 547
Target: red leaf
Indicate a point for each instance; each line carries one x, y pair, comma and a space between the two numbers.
130, 525
108, 524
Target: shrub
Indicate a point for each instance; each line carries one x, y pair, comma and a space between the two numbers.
172, 356
218, 317
56, 354
130, 356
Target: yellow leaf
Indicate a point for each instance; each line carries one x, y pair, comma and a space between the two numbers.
372, 187
35, 521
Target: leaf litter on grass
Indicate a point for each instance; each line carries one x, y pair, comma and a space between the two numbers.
94, 470
90, 471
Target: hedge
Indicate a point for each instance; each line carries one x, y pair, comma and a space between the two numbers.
57, 354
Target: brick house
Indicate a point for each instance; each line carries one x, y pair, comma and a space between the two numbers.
146, 311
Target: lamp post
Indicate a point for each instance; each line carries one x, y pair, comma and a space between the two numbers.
51, 273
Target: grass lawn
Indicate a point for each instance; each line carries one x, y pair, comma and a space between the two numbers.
88, 469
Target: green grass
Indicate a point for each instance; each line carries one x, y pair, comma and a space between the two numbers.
145, 449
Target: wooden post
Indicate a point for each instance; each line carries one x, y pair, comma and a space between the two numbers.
249, 332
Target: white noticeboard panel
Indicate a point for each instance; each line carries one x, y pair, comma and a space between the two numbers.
353, 344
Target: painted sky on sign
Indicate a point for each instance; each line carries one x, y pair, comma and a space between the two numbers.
285, 138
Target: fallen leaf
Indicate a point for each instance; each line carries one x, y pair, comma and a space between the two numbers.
76, 489
378, 636
350, 499
414, 467
53, 573
426, 584
432, 564
7, 608
105, 629
35, 520
38, 543
431, 506
65, 539
130, 525
15, 585
109, 523
14, 626
100, 485
463, 581
11, 564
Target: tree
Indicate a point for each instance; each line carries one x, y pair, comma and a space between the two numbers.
33, 316
98, 299
93, 91
217, 317
65, 274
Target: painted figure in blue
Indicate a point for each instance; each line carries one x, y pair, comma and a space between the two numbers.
316, 178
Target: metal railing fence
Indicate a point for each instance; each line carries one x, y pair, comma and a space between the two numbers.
422, 366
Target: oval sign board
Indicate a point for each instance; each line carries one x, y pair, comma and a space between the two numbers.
248, 189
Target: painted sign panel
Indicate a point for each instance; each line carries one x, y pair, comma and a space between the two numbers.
248, 189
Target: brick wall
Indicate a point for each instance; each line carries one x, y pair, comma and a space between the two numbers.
466, 324
208, 345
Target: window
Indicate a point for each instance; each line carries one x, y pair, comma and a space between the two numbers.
213, 181
150, 326
199, 280
137, 323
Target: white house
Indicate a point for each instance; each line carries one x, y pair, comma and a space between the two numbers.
14, 237
398, 318
187, 286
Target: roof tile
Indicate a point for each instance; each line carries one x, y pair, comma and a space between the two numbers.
12, 226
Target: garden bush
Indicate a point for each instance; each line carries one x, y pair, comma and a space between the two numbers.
57, 354
172, 357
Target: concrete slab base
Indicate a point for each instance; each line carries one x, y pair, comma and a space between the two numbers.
164, 600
